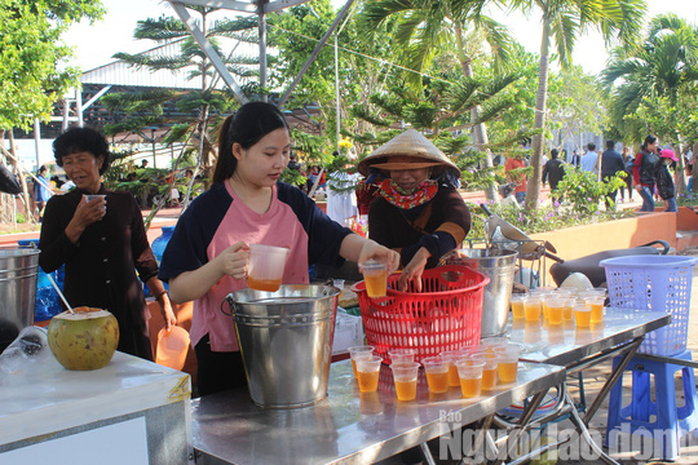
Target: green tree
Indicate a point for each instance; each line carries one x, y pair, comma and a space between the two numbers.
33, 71
656, 85
207, 102
562, 22
425, 27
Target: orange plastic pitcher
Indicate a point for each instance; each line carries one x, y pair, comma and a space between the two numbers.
172, 347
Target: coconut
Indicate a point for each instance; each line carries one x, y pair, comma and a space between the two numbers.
84, 340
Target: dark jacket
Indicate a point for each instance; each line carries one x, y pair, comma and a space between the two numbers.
665, 182
611, 163
645, 169
553, 172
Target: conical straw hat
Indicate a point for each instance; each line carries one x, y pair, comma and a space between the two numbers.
413, 150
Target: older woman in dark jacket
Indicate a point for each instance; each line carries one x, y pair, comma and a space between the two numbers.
417, 211
99, 235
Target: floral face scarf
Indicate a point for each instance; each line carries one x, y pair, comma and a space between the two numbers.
398, 197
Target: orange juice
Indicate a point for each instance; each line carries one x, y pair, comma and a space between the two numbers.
532, 310
368, 381
271, 285
406, 390
489, 379
517, 309
438, 382
471, 387
507, 371
582, 317
555, 315
376, 284
546, 311
453, 380
596, 313
353, 366
567, 312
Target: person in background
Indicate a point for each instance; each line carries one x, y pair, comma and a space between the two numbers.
418, 211
517, 162
645, 172
553, 172
101, 242
576, 159
665, 181
208, 254
628, 160
611, 164
41, 191
590, 160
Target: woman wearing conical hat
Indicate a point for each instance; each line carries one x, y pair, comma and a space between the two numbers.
418, 212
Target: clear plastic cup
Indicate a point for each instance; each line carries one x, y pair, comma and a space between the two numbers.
405, 378
556, 308
368, 369
401, 355
376, 278
339, 283
596, 303
266, 269
356, 352
91, 197
453, 356
508, 366
533, 308
172, 347
491, 343
517, 306
436, 369
470, 376
582, 315
568, 308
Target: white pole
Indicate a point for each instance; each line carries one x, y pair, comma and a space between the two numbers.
37, 141
336, 85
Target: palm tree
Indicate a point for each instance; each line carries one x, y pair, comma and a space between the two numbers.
424, 27
660, 73
562, 21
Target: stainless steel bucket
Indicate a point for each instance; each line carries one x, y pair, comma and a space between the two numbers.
286, 342
18, 271
500, 267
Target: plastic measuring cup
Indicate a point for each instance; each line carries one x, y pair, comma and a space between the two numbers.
172, 347
267, 264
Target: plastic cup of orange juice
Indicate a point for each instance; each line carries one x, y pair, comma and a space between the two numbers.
356, 352
376, 278
436, 369
556, 307
452, 356
508, 365
582, 315
368, 369
266, 267
517, 306
401, 355
405, 377
596, 302
533, 308
470, 376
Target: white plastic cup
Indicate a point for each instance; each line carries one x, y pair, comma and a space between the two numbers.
172, 347
91, 197
401, 355
267, 264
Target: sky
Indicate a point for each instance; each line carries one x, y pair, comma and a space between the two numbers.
95, 44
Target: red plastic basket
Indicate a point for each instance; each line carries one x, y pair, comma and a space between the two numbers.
446, 315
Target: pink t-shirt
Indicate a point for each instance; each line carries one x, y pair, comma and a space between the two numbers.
277, 226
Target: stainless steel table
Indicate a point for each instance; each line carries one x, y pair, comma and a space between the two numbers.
621, 333
348, 426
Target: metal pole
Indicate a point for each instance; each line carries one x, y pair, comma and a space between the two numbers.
263, 50
37, 140
78, 107
336, 85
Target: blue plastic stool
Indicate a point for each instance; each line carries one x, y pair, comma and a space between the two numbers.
670, 421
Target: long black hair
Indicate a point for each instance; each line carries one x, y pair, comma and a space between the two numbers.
650, 139
247, 126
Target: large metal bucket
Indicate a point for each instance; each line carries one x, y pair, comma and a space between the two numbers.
18, 271
500, 267
286, 342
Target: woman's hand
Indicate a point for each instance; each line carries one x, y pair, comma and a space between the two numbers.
167, 312
234, 260
373, 250
85, 214
412, 273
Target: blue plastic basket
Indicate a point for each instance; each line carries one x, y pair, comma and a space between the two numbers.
654, 282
